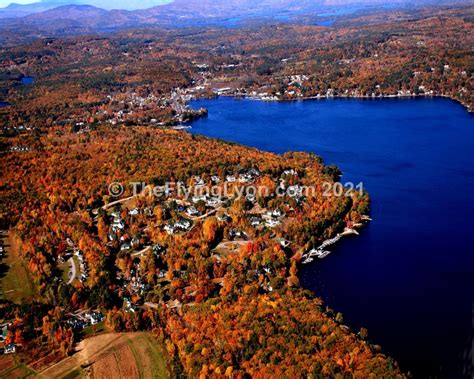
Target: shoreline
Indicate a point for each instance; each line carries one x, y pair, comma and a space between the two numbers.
466, 106
321, 253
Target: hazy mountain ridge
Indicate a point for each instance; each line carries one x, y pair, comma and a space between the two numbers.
15, 10
77, 18
21, 10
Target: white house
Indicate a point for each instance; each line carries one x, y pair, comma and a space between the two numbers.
272, 223
10, 348
192, 211
134, 212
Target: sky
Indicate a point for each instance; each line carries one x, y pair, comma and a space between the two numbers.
106, 4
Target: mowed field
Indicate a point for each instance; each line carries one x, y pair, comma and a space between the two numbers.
113, 355
15, 281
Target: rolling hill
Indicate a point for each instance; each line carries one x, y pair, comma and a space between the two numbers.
43, 19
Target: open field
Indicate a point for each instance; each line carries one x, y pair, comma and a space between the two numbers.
15, 282
113, 355
9, 368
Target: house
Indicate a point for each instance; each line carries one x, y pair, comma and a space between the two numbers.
76, 324
183, 224
170, 229
96, 317
294, 191
192, 211
245, 178
197, 199
290, 172
4, 332
198, 182
251, 198
254, 172
224, 90
236, 233
180, 208
134, 212
255, 221
118, 224
272, 223
230, 179
213, 202
148, 212
202, 66
125, 246
10, 348
129, 306
284, 243
135, 242
215, 179
158, 249
277, 213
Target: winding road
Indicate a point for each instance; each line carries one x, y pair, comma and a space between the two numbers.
73, 270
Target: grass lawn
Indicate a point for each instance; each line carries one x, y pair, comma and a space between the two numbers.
92, 330
64, 267
149, 356
159, 369
15, 282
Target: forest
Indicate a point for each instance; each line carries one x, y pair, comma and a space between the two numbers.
55, 196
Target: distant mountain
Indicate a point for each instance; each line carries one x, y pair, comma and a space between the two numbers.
22, 10
68, 12
46, 18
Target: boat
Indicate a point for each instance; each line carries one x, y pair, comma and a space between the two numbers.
181, 127
307, 260
324, 254
349, 231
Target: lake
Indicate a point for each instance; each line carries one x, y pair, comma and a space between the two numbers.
409, 277
27, 80
4, 104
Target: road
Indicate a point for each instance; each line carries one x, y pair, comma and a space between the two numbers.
140, 253
231, 245
72, 263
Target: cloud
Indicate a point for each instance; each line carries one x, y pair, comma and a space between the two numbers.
5, 3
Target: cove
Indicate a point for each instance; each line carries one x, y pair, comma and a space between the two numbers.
409, 277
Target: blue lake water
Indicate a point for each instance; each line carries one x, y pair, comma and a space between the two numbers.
409, 277
327, 23
27, 80
4, 104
